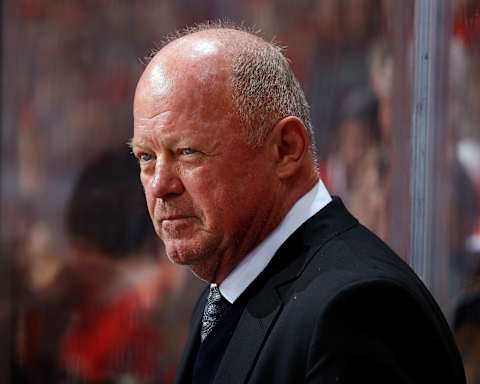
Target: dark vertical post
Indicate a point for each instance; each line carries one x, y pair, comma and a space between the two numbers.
399, 197
430, 171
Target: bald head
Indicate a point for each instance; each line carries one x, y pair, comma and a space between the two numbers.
262, 87
192, 64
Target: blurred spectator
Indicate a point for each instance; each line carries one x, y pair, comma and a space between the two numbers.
464, 279
464, 73
464, 107
381, 80
98, 320
357, 169
466, 326
344, 31
463, 217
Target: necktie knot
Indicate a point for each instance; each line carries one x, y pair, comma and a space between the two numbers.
214, 309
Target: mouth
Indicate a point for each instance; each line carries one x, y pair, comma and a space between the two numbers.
174, 218
175, 227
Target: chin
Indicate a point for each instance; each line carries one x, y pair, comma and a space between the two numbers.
176, 256
183, 252
202, 262
205, 272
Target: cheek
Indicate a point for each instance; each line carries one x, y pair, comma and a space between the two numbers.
211, 190
150, 203
148, 194
226, 192
227, 198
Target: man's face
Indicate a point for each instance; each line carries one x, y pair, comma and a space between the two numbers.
207, 190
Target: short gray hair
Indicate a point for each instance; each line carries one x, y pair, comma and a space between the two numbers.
264, 87
265, 91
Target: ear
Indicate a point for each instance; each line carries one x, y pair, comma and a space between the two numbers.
290, 144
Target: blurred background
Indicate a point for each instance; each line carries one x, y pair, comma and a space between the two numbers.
86, 294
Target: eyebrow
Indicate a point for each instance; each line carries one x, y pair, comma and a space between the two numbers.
133, 143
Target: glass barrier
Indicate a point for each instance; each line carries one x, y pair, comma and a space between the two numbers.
87, 293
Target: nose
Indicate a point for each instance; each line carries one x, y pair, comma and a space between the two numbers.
165, 181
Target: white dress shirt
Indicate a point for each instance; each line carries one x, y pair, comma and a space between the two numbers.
255, 262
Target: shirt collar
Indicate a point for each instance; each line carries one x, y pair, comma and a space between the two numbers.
256, 261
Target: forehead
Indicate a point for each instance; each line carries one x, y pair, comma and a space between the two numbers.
184, 96
191, 71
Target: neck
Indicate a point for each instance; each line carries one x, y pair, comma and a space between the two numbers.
264, 222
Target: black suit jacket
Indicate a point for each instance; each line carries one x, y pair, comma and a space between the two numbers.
335, 305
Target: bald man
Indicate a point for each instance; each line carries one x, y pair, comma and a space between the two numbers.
299, 291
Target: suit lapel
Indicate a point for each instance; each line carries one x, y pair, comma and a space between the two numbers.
185, 368
248, 338
268, 293
264, 304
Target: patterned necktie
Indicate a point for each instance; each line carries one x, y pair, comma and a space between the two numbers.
214, 309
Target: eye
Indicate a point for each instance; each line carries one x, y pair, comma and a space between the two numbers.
187, 151
143, 157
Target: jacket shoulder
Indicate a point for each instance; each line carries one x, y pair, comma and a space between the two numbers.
369, 305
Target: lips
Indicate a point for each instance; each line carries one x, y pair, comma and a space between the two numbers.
173, 218
163, 213
175, 227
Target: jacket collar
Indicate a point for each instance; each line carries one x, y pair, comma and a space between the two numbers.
269, 292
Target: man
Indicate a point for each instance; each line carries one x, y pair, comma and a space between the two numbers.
300, 292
